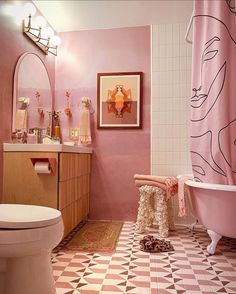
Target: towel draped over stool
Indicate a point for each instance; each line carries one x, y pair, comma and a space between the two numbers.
154, 194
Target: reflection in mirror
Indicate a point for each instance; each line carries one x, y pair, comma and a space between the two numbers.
32, 101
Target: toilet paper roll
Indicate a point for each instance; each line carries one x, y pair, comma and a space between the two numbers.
42, 167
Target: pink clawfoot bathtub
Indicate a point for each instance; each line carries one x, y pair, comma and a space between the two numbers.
214, 206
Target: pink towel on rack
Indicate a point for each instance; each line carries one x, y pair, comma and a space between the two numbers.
84, 127
182, 203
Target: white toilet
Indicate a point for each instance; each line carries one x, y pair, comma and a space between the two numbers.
28, 234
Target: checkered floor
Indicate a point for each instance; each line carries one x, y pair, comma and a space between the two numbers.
188, 269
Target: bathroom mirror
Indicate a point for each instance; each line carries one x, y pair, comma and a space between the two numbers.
32, 96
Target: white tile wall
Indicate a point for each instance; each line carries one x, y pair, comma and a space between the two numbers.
171, 90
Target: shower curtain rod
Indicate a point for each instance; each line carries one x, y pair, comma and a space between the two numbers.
188, 30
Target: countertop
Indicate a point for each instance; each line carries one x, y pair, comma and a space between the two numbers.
45, 148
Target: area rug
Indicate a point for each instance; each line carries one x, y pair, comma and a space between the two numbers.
96, 236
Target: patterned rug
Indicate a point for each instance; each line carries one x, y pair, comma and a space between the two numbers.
96, 236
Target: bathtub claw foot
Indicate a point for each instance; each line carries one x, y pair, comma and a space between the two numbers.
214, 241
192, 226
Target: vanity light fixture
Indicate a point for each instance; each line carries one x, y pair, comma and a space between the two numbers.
36, 29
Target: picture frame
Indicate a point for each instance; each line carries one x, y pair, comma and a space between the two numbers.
119, 100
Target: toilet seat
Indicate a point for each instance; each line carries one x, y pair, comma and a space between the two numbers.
19, 216
28, 235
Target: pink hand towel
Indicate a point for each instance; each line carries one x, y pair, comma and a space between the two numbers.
84, 127
160, 179
182, 203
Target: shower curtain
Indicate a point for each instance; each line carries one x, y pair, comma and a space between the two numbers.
213, 99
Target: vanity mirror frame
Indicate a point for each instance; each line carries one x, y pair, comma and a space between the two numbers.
16, 89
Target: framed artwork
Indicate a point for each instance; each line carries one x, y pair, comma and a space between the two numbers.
119, 97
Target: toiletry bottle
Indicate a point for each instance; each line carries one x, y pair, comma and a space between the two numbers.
24, 137
57, 132
14, 138
48, 132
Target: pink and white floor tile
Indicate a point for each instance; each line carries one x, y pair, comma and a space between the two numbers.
187, 269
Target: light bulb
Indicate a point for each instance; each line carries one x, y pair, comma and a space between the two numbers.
9, 10
18, 13
47, 33
40, 21
55, 41
29, 9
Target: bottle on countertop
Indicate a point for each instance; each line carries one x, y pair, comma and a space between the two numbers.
14, 137
57, 129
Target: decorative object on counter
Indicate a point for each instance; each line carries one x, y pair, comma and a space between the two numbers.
49, 127
57, 129
32, 139
38, 133
47, 140
84, 122
94, 236
24, 137
119, 100
19, 136
68, 104
14, 138
40, 109
23, 102
151, 244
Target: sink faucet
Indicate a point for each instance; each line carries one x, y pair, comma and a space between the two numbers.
38, 132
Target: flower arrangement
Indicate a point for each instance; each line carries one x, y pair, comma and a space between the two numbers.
68, 109
40, 109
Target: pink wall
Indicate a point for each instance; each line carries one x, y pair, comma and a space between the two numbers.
13, 45
118, 154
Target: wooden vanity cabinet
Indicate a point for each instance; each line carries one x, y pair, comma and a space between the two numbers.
74, 188
67, 189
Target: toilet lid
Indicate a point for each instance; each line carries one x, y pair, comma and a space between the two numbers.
18, 216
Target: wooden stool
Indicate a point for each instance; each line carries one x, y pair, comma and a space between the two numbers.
152, 206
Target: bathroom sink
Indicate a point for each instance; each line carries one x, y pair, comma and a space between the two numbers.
46, 148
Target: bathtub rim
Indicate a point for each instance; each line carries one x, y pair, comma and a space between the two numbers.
192, 183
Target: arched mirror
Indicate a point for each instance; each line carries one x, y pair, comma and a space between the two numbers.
32, 97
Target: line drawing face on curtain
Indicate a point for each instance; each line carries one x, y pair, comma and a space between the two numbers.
231, 5
206, 95
213, 122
